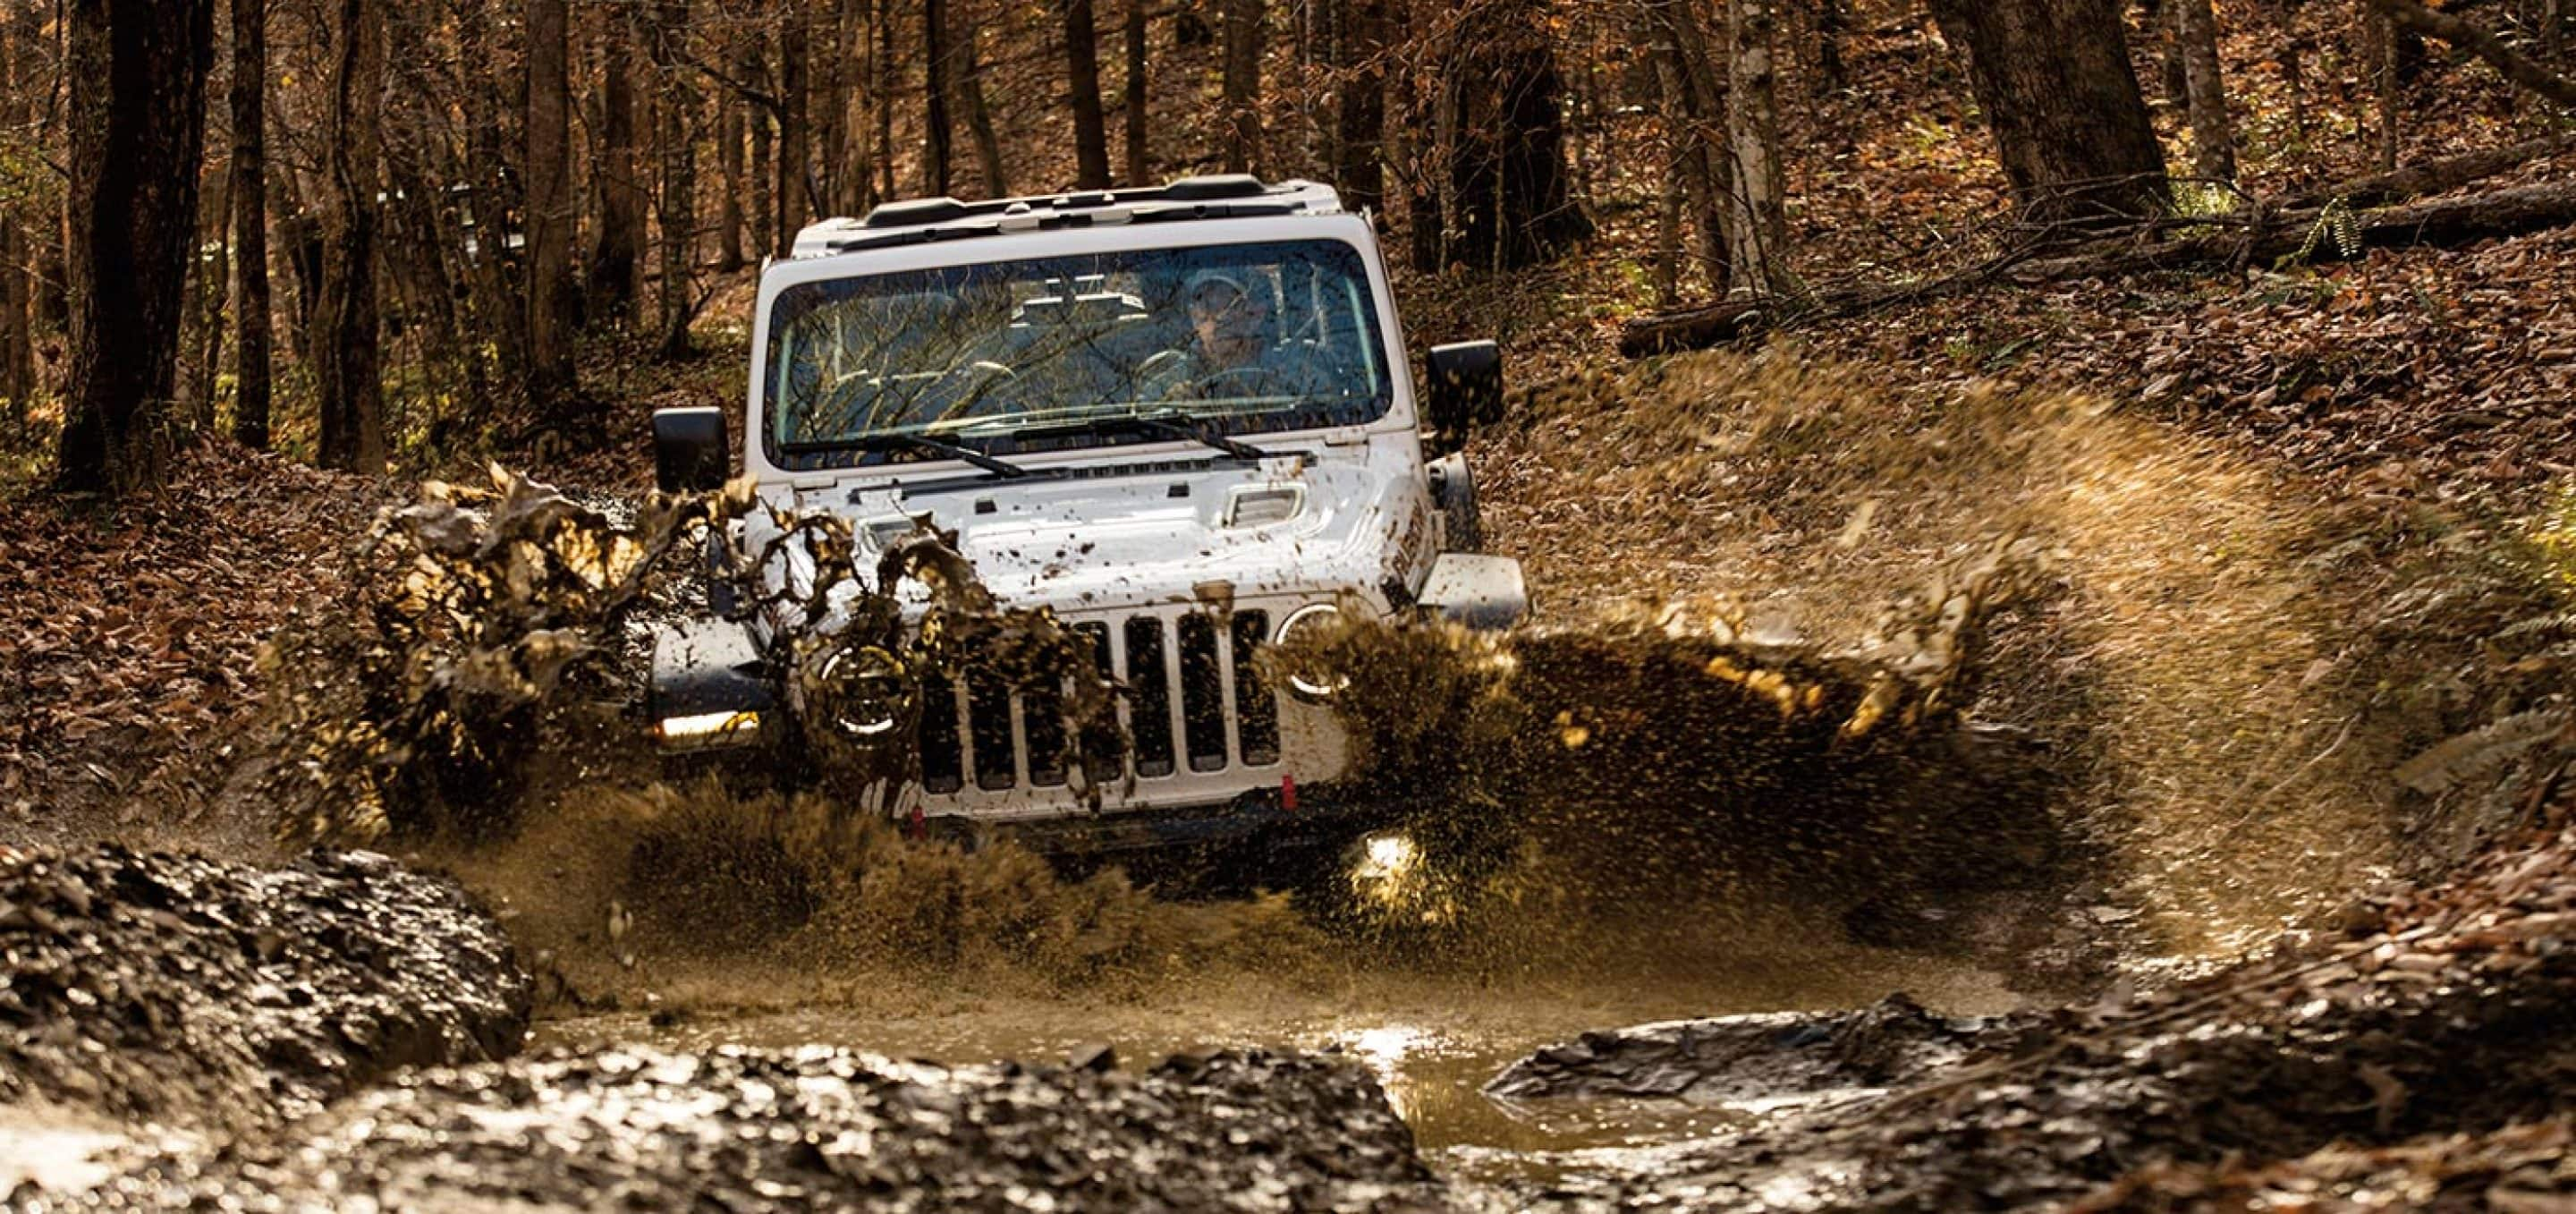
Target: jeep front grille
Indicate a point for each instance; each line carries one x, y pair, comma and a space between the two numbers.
1194, 697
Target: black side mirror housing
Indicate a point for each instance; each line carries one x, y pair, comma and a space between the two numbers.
1466, 381
690, 450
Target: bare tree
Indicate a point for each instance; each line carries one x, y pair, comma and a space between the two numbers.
677, 214
729, 135
1139, 172
349, 391
2213, 136
19, 31
1757, 230
979, 116
794, 190
2057, 88
251, 390
1361, 122
1082, 78
1245, 22
551, 299
617, 174
136, 71
937, 140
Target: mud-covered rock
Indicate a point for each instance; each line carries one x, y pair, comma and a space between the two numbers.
230, 996
2450, 1010
1753, 1058
818, 1128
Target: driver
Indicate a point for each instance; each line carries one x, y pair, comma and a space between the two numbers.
1234, 347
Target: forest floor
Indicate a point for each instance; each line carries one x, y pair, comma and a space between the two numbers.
2300, 664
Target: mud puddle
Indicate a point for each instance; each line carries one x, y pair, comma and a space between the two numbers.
1433, 1041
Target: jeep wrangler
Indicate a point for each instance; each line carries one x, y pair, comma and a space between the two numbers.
1180, 417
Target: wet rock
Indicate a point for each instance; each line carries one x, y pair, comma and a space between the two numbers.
2407, 1056
228, 996
1753, 1058
750, 1130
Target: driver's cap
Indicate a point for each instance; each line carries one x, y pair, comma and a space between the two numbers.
1202, 280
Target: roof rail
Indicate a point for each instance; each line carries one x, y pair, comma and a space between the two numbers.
924, 212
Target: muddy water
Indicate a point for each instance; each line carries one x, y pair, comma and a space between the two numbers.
1432, 1039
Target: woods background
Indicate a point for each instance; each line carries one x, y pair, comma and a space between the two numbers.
395, 232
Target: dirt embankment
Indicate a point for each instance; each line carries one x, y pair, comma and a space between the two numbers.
754, 1130
229, 997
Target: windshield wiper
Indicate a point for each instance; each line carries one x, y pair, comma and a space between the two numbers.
1160, 424
898, 441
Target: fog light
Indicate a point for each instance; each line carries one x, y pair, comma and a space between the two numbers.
705, 729
1388, 857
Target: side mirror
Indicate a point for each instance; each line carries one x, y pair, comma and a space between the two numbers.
690, 450
1466, 387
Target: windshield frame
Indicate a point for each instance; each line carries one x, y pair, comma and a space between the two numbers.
765, 456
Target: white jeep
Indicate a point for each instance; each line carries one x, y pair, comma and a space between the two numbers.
1179, 417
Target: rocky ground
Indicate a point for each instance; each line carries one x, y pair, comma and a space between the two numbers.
753, 1130
2417, 1058
233, 997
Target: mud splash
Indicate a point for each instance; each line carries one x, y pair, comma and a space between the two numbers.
479, 612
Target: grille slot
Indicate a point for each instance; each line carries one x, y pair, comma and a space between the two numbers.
1102, 759
1256, 711
1150, 711
1202, 694
1194, 695
988, 729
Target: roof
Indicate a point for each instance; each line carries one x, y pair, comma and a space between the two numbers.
924, 220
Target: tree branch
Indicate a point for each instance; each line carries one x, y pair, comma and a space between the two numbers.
2516, 66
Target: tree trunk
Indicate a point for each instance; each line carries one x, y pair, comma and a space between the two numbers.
979, 117
18, 32
619, 171
793, 191
2070, 127
937, 139
826, 114
678, 215
859, 34
881, 69
136, 72
1757, 231
1139, 171
498, 281
212, 276
349, 393
1696, 151
754, 66
1244, 21
729, 135
250, 223
1082, 76
1362, 120
551, 297
1508, 204
1830, 20
2213, 135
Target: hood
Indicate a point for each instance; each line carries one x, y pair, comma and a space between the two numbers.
1162, 527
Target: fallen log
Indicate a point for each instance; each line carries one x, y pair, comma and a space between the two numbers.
2433, 176
2444, 222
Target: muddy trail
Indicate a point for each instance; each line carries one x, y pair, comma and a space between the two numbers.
1986, 739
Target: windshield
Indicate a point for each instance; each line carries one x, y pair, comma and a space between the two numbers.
1058, 352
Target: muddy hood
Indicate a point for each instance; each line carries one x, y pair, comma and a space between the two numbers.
1124, 535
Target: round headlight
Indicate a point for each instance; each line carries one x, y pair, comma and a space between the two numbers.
865, 690
1311, 683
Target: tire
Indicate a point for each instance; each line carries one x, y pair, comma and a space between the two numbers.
1453, 489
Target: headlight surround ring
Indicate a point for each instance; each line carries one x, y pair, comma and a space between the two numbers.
1305, 685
